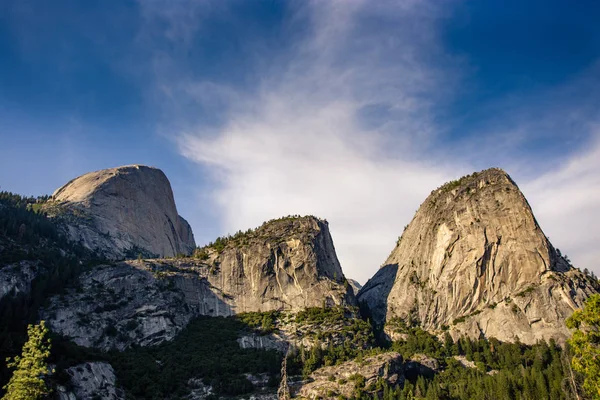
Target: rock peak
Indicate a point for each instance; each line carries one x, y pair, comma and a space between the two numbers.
491, 176
122, 212
472, 248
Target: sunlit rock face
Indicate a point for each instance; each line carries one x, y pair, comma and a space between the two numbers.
288, 264
474, 261
123, 212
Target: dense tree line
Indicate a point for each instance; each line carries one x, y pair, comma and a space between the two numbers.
504, 371
26, 234
31, 367
500, 371
585, 345
207, 349
468, 369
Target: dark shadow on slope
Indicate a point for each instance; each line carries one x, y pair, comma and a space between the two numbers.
373, 297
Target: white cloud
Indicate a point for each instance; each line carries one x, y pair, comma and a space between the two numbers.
301, 141
566, 202
342, 126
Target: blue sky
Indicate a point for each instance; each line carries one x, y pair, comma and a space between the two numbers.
351, 110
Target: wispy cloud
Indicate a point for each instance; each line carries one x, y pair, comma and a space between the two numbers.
343, 124
305, 140
566, 201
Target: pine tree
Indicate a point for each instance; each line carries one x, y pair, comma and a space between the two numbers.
448, 344
283, 393
27, 382
585, 344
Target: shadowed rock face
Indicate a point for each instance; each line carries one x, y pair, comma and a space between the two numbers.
474, 259
288, 264
16, 278
355, 285
91, 380
122, 212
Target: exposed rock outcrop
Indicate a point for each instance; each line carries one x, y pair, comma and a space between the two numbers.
123, 212
287, 264
421, 365
339, 380
474, 260
275, 342
16, 278
308, 328
91, 380
122, 304
355, 286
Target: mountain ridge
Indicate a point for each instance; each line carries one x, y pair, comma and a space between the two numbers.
472, 246
473, 264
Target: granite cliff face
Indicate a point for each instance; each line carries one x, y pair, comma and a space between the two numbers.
123, 212
474, 261
287, 264
91, 380
16, 278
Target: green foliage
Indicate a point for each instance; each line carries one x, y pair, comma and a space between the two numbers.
263, 322
464, 317
319, 315
504, 371
457, 183
26, 234
418, 341
27, 381
525, 292
201, 254
585, 344
242, 238
338, 336
336, 324
29, 235
207, 348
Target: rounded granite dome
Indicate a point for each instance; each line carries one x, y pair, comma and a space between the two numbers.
124, 211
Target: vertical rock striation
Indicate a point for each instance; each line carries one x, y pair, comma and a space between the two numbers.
286, 264
475, 260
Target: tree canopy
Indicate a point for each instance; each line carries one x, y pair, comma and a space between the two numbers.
27, 382
585, 344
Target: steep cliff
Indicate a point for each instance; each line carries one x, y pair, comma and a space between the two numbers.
286, 264
355, 286
122, 212
474, 261
91, 380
